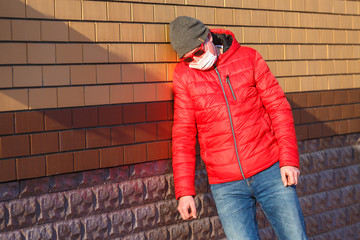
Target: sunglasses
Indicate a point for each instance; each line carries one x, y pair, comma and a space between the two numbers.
197, 53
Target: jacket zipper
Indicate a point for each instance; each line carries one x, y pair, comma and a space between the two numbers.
231, 122
231, 89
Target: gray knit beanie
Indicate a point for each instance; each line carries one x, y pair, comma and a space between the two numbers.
186, 34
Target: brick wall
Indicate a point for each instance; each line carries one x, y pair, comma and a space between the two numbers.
86, 113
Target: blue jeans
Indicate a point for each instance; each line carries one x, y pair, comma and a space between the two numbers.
235, 203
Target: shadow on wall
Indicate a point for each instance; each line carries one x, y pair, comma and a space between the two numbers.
64, 77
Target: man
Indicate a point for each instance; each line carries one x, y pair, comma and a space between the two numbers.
226, 94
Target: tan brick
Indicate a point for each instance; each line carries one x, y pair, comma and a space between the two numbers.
340, 36
25, 30
68, 9
41, 53
284, 68
95, 53
175, 1
281, 82
69, 53
155, 73
83, 74
164, 13
6, 74
320, 21
347, 81
215, 3
133, 73
267, 35
291, 19
144, 92
82, 32
339, 7
142, 12
263, 50
326, 5
164, 92
352, 37
312, 5
224, 16
334, 82
347, 51
108, 32
306, 51
71, 96
12, 100
328, 67
340, 66
250, 3
312, 35
5, 33
282, 5
356, 51
144, 52
273, 67
292, 51
56, 75
259, 18
11, 8
353, 66
164, 52
54, 31
27, 76
154, 33
119, 11
40, 9
276, 18
345, 21
306, 19
299, 68
276, 52
298, 35
206, 15
352, 7
356, 21
251, 35
233, 3
185, 11
120, 53
97, 95
238, 32
332, 21
326, 36
42, 98
314, 67
121, 93
306, 83
321, 83
292, 84
298, 5
170, 70
242, 17
94, 10
108, 73
320, 51
131, 32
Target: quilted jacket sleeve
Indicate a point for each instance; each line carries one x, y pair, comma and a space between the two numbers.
279, 110
184, 140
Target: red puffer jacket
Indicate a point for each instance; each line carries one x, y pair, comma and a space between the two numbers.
243, 120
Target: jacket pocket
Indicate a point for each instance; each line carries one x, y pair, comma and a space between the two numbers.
231, 89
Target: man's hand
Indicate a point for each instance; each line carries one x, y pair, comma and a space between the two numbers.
187, 208
289, 175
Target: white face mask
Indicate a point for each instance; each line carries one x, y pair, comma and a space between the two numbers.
205, 62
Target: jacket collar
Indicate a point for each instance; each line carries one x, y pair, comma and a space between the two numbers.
226, 40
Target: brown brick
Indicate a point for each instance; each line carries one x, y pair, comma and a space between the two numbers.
58, 119
347, 111
328, 129
335, 112
321, 114
307, 115
85, 117
327, 98
314, 99
7, 170
135, 154
44, 142
86, 160
170, 111
315, 130
354, 96
354, 125
110, 115
111, 157
14, 146
357, 110
122, 135
156, 111
6, 123
72, 140
157, 151
290, 99
342, 127
30, 167
164, 130
59, 163
301, 132
97, 137
134, 113
29, 121
296, 116
341, 97
300, 100
145, 132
